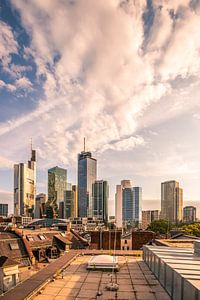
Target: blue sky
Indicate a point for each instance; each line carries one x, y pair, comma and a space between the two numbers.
124, 74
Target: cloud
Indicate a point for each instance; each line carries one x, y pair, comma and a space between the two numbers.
100, 73
6, 163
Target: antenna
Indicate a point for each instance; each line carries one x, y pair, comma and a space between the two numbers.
84, 144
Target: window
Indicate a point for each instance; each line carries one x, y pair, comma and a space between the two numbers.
30, 238
14, 246
125, 242
41, 236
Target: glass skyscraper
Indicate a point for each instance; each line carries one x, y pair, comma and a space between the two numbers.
87, 173
100, 194
57, 184
25, 187
132, 205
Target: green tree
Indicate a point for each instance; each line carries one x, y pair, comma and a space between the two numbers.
161, 226
192, 229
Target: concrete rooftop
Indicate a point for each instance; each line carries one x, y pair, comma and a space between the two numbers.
135, 281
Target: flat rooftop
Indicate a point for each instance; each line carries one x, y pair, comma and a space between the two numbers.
135, 281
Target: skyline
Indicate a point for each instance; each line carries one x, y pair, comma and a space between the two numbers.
106, 71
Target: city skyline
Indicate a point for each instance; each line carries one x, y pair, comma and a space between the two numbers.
97, 78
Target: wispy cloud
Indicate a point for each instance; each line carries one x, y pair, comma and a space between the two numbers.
100, 71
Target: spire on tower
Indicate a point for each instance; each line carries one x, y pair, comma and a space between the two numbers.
84, 144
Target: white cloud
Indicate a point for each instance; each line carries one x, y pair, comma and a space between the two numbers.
99, 81
6, 163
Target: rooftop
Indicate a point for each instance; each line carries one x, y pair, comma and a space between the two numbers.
135, 281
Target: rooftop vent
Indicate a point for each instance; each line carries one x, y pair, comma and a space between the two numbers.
103, 262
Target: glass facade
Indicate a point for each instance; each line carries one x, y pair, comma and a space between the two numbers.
87, 173
100, 194
3, 210
131, 205
25, 187
57, 184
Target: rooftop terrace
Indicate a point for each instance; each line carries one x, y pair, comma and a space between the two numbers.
135, 281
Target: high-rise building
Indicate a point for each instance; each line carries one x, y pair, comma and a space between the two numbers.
118, 201
40, 206
131, 205
171, 201
57, 184
25, 187
189, 214
149, 216
3, 210
70, 207
87, 174
100, 194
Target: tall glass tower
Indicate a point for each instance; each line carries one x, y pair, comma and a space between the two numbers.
57, 184
87, 174
100, 195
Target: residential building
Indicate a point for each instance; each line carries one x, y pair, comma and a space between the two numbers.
100, 194
40, 206
149, 216
3, 210
118, 201
171, 201
25, 187
87, 174
57, 185
189, 214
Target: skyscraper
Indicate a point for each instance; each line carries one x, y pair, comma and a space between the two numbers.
57, 184
118, 201
25, 187
100, 194
70, 203
40, 206
137, 204
189, 214
131, 205
171, 201
87, 174
149, 216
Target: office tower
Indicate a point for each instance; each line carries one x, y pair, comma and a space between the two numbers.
25, 187
57, 184
70, 202
189, 214
149, 216
171, 201
61, 209
40, 206
131, 205
87, 173
137, 204
100, 194
3, 210
118, 201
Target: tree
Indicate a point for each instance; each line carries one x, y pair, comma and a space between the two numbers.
192, 229
161, 226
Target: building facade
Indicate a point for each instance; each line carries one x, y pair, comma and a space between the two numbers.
25, 187
149, 216
118, 201
100, 195
40, 206
171, 201
131, 206
189, 214
57, 185
3, 210
87, 174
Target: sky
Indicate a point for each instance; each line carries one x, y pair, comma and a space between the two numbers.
124, 74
